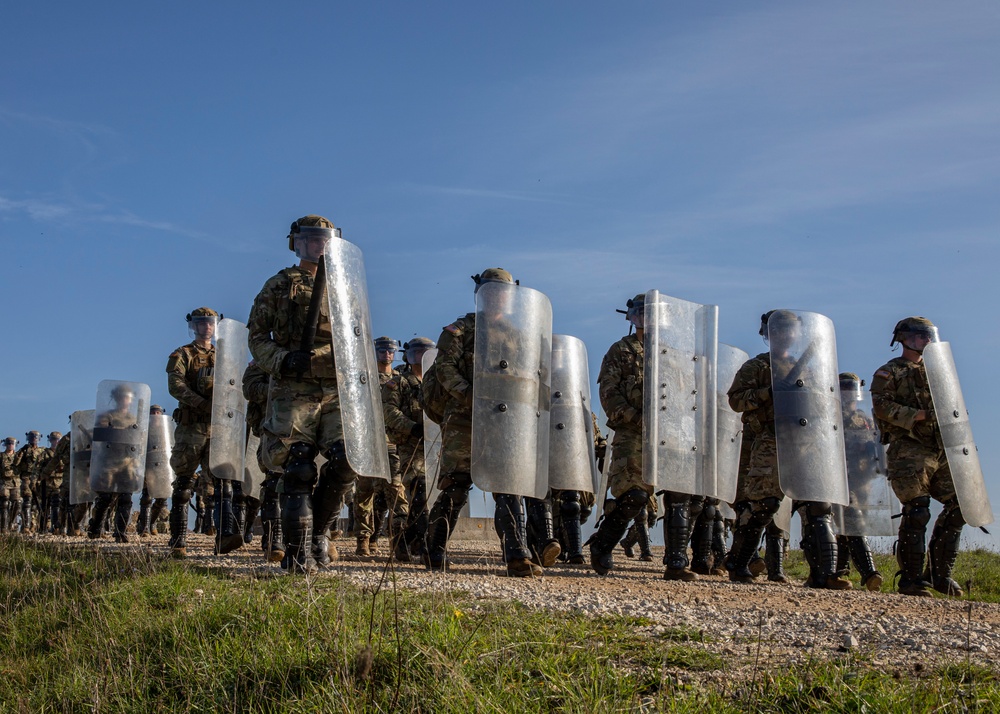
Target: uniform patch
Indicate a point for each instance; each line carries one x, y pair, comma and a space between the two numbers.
452, 328
883, 373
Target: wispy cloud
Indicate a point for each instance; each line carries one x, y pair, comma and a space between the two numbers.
494, 194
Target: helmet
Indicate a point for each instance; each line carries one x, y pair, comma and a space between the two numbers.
10, 441
198, 321
33, 435
55, 436
310, 221
851, 377
413, 349
494, 275
385, 344
777, 319
913, 326
155, 409
636, 310
120, 392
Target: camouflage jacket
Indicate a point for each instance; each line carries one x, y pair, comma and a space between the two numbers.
29, 461
401, 410
899, 391
455, 363
255, 385
8, 476
621, 381
56, 466
190, 379
278, 319
750, 394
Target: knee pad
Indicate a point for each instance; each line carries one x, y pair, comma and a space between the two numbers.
183, 495
337, 460
300, 468
951, 517
630, 504
760, 513
271, 481
917, 512
569, 507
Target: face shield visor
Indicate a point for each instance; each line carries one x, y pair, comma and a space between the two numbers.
385, 352
202, 327
851, 391
415, 354
918, 338
310, 242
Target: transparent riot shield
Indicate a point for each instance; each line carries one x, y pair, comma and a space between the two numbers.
354, 356
572, 463
679, 395
253, 477
118, 456
511, 390
807, 422
159, 444
229, 406
783, 518
729, 426
869, 512
80, 444
956, 434
432, 442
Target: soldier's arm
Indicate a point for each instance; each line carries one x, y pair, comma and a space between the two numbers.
255, 383
263, 315
177, 366
613, 390
448, 363
751, 388
885, 384
395, 420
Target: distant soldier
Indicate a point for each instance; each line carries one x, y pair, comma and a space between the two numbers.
255, 386
28, 464
190, 380
10, 485
150, 509
53, 476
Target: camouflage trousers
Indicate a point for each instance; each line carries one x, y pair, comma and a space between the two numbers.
625, 470
916, 470
456, 446
300, 410
762, 477
746, 448
368, 489
190, 451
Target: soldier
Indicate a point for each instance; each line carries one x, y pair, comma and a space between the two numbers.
752, 393
53, 477
455, 369
571, 507
190, 380
374, 495
255, 381
204, 490
404, 420
919, 467
150, 509
638, 532
10, 485
292, 334
28, 465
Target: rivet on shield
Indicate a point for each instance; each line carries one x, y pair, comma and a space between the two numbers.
804, 422
694, 408
232, 382
694, 391
965, 450
357, 332
502, 407
229, 414
560, 425
503, 364
131, 448
663, 352
694, 448
695, 358
955, 413
663, 443
557, 395
799, 383
663, 409
835, 427
364, 378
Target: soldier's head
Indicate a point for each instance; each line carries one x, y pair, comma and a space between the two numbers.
33, 437
415, 348
385, 349
54, 437
635, 310
494, 275
202, 323
914, 333
850, 386
122, 395
155, 410
10, 443
780, 328
310, 235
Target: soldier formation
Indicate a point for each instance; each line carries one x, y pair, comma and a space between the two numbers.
300, 411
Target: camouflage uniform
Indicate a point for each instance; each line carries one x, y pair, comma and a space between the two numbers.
190, 380
404, 421
10, 488
119, 467
918, 471
28, 465
53, 474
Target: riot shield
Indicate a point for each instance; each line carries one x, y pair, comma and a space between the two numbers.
432, 442
679, 395
956, 434
729, 426
354, 357
807, 423
783, 518
572, 463
511, 390
159, 444
118, 457
229, 406
253, 477
80, 444
869, 512
602, 489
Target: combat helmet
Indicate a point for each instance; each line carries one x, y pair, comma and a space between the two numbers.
850, 383
54, 436
198, 318
494, 275
635, 310
913, 326
302, 226
781, 318
411, 348
386, 344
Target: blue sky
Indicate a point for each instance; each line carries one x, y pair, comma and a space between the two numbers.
838, 157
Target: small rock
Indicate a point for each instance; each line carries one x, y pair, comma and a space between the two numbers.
850, 642
909, 642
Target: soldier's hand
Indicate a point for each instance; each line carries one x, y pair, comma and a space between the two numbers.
296, 362
920, 416
417, 430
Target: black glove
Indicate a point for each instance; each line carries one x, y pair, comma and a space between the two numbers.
417, 430
296, 362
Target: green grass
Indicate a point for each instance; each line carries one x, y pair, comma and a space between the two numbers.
86, 631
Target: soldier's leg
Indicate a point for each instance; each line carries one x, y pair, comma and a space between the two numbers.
229, 536
774, 553
750, 526
911, 544
77, 518
26, 512
843, 557
190, 441
444, 515
199, 511
861, 554
623, 510
364, 515
123, 512
676, 534
102, 506
335, 481
380, 507
543, 544
155, 513
252, 506
4, 509
820, 545
272, 541
239, 508
719, 544
296, 506
55, 511
631, 538
399, 510
142, 525
40, 498
209, 526
943, 549
701, 538
511, 526
569, 516
416, 520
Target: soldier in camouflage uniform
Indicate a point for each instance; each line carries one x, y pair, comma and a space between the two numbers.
571, 509
190, 380
53, 475
773, 536
404, 421
303, 417
751, 394
10, 485
918, 466
116, 469
204, 506
255, 385
455, 369
28, 464
150, 509
368, 506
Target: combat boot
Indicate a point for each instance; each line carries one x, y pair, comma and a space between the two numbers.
123, 512
142, 522
442, 520
701, 543
618, 514
230, 535
297, 522
943, 548
523, 568
544, 546
569, 518
910, 547
774, 557
821, 547
510, 522
861, 554
676, 533
363, 551
719, 545
631, 538
102, 505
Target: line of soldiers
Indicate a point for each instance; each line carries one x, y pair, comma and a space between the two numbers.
501, 402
